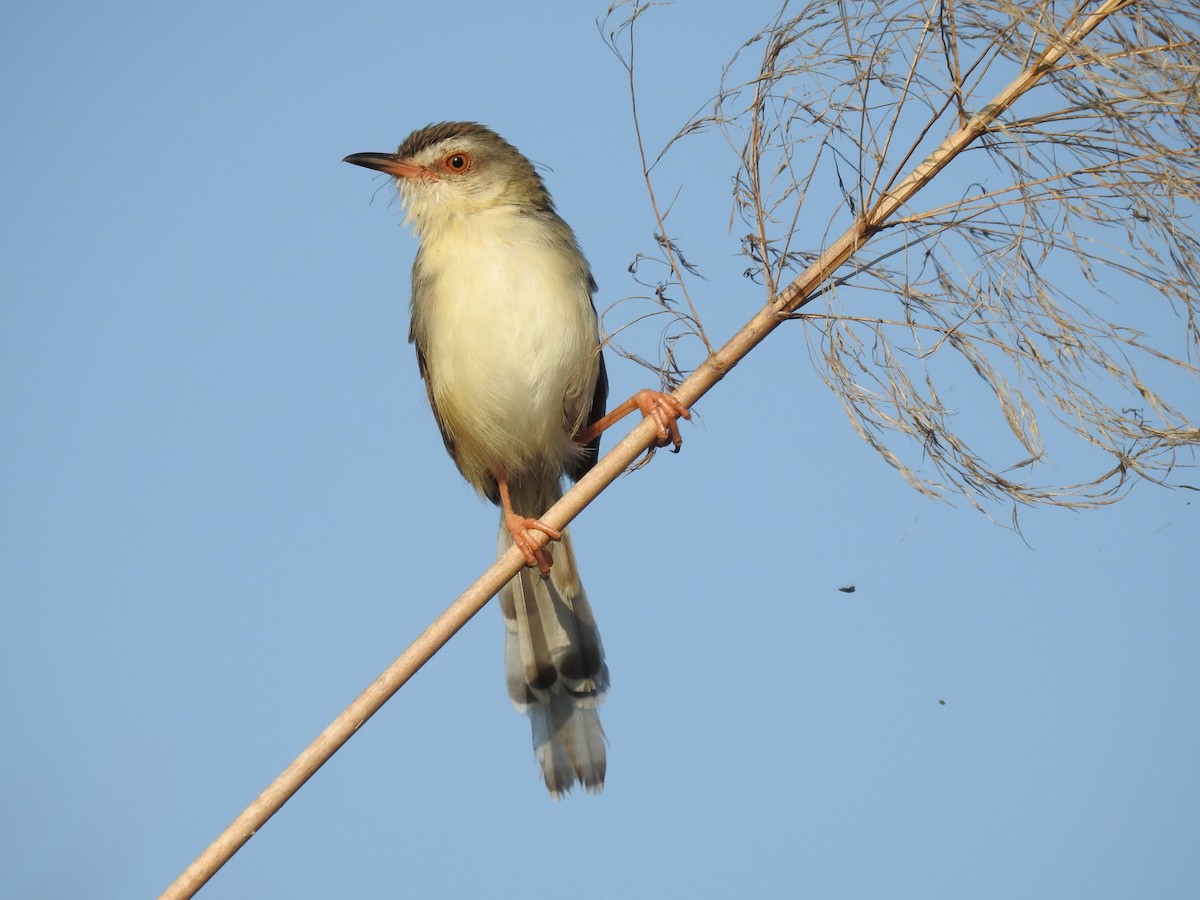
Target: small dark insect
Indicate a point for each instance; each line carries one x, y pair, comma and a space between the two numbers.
941, 703
847, 589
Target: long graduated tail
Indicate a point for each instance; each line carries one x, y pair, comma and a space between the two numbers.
554, 664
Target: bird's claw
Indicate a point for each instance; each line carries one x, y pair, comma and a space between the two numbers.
520, 527
666, 411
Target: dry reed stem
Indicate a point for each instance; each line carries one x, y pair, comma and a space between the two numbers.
884, 210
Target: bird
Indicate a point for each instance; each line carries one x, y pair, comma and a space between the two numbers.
508, 344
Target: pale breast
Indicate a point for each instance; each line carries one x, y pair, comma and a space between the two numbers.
509, 338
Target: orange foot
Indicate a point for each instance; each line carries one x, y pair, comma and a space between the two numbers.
520, 527
664, 409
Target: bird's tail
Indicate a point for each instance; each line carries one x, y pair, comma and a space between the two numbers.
554, 664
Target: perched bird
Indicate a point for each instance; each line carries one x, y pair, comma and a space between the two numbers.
508, 344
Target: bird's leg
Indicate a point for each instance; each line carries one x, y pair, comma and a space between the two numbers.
520, 526
664, 409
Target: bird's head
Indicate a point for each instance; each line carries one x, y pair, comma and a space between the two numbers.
457, 169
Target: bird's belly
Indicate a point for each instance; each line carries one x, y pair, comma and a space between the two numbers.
510, 345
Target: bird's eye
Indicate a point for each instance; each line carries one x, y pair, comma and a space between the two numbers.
457, 162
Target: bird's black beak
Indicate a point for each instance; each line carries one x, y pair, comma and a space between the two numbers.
385, 162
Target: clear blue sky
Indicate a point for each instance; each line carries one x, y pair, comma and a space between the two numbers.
224, 508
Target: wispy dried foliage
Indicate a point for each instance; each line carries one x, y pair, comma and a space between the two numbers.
1045, 268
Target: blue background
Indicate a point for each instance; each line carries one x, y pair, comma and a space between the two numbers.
224, 508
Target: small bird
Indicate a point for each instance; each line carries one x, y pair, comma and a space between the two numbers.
508, 344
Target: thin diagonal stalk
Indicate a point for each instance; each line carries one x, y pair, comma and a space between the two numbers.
616, 461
